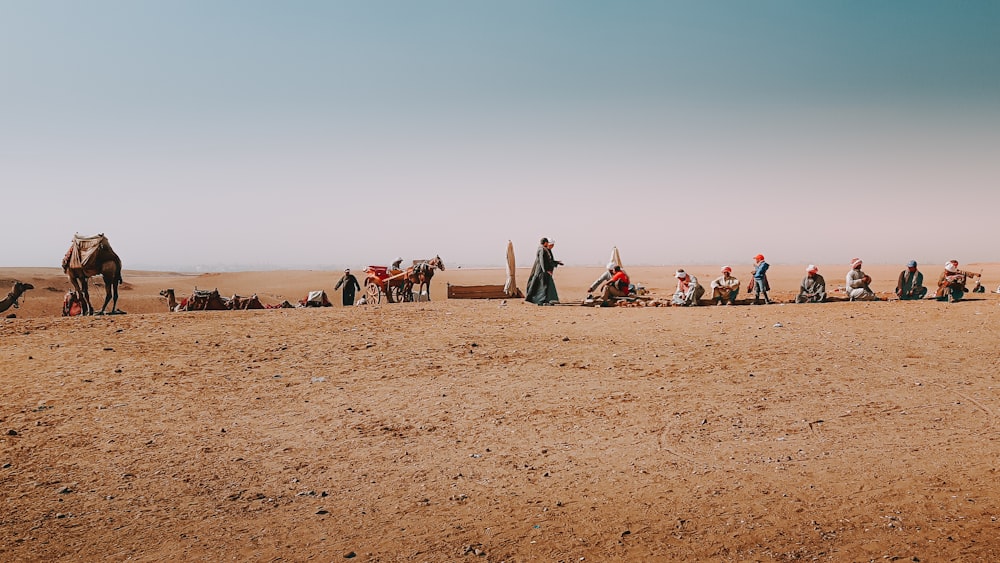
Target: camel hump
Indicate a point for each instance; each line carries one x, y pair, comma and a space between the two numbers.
88, 254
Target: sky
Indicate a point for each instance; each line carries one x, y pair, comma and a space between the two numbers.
222, 135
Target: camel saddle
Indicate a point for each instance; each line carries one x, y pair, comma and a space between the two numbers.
83, 253
205, 300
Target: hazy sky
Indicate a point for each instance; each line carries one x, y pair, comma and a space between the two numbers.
262, 134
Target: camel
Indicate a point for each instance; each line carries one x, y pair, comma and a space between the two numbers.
87, 257
205, 300
14, 295
237, 303
420, 274
172, 305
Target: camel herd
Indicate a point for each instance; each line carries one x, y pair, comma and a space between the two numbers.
204, 300
91, 256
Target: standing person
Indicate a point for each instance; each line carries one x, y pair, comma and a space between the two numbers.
813, 287
910, 284
541, 289
688, 290
859, 283
350, 284
725, 288
951, 283
760, 285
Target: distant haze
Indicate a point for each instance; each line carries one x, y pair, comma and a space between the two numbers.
317, 134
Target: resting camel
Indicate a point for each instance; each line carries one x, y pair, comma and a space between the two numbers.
420, 274
89, 256
14, 295
172, 305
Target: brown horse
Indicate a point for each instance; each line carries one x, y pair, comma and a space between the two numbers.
87, 257
14, 295
420, 274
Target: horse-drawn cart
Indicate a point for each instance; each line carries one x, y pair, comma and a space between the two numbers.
380, 280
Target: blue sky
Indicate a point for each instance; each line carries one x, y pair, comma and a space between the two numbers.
226, 134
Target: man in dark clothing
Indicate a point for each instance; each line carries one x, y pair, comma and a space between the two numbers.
911, 283
541, 288
350, 284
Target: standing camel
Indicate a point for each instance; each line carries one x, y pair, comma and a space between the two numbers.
14, 295
87, 257
420, 274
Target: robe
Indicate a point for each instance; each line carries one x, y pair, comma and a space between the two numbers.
541, 288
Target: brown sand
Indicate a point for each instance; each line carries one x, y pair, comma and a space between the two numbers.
499, 431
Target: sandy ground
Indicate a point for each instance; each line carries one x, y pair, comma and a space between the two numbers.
499, 431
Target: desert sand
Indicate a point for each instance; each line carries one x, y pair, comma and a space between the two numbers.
495, 430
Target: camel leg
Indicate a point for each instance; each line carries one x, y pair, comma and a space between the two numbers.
110, 290
84, 296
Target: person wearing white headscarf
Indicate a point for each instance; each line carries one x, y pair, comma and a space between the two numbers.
813, 287
688, 290
859, 283
951, 282
610, 271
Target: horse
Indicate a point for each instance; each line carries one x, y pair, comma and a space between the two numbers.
420, 274
89, 256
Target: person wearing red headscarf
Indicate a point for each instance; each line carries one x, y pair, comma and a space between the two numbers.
760, 284
813, 287
725, 288
859, 283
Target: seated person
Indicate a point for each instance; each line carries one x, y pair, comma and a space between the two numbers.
859, 283
813, 287
610, 271
911, 283
688, 290
725, 288
616, 286
951, 283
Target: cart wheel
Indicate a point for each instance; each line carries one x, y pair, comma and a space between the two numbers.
396, 294
374, 293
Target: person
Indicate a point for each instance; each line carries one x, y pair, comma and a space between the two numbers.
350, 284
951, 282
760, 285
616, 286
688, 290
910, 284
859, 283
813, 287
397, 265
610, 271
541, 289
725, 288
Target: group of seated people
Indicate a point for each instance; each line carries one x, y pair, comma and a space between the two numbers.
614, 284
